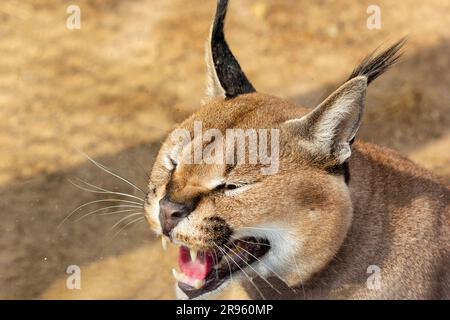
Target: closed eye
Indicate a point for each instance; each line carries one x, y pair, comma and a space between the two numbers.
232, 186
228, 186
230, 189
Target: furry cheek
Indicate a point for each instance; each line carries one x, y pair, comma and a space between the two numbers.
151, 209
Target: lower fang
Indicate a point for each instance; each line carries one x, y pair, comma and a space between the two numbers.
198, 284
178, 276
193, 254
181, 277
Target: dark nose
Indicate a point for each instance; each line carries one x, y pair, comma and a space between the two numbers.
171, 213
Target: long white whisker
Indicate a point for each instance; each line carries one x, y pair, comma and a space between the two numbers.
110, 207
139, 165
106, 169
216, 262
125, 218
103, 190
267, 229
249, 242
267, 281
120, 211
129, 223
249, 279
301, 282
226, 259
106, 213
268, 268
90, 184
97, 201
108, 200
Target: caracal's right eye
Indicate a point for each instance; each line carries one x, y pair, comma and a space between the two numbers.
229, 186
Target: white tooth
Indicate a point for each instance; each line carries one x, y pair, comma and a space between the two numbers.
198, 284
164, 242
193, 254
178, 276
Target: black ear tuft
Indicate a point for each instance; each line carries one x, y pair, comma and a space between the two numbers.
373, 66
229, 73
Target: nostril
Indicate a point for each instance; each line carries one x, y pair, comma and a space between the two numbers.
171, 213
175, 209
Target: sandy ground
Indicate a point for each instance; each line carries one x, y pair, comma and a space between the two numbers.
115, 87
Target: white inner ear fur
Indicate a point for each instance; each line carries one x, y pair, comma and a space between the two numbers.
338, 121
213, 86
341, 121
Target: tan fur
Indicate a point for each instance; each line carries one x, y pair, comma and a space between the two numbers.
393, 214
400, 223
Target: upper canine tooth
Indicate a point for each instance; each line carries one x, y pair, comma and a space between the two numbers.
164, 242
193, 254
198, 284
178, 276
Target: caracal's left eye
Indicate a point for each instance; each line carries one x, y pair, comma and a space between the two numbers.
231, 186
228, 186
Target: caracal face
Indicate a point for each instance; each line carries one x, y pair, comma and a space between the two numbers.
235, 220
300, 213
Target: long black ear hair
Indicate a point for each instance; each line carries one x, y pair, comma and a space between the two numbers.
375, 65
225, 76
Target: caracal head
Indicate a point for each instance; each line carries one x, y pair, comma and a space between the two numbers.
252, 184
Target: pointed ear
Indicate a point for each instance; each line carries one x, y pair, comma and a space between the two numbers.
329, 129
225, 77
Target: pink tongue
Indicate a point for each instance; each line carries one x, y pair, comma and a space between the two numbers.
197, 269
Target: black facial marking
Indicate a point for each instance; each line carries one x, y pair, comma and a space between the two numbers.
346, 169
342, 169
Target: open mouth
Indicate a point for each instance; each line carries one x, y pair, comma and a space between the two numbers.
204, 271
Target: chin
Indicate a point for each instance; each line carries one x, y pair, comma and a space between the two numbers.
181, 295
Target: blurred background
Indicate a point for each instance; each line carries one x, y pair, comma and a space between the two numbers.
135, 68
